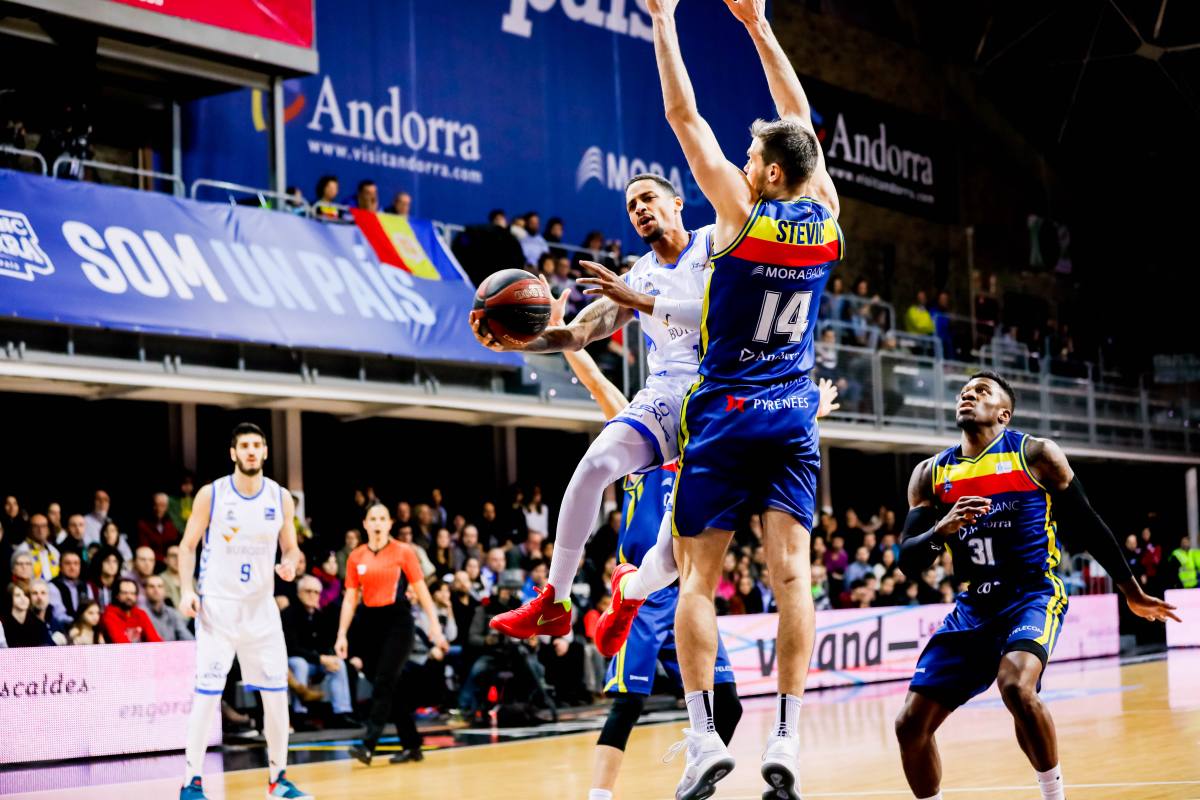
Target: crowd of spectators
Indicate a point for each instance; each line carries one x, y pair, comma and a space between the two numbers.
81, 580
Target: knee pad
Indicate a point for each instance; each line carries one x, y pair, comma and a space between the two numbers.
622, 716
727, 710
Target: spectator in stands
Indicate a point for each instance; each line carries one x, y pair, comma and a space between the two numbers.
468, 546
464, 597
527, 552
424, 676
727, 585
124, 622
860, 568
143, 568
41, 607
326, 574
472, 568
886, 595
853, 530
424, 529
105, 569
928, 590
747, 599
536, 580
351, 539
443, 554
1151, 557
87, 628
94, 522
536, 512
69, 590
54, 517
493, 531
493, 569
534, 244
37, 545
495, 650
554, 235
111, 536
401, 204
310, 632
917, 318
22, 628
1133, 557
71, 538
886, 567
1184, 565
158, 531
327, 197
942, 324
438, 509
169, 623
14, 520
179, 506
22, 568
366, 196
946, 589
604, 541
170, 575
818, 576
836, 558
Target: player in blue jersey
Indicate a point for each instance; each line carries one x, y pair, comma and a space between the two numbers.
748, 436
996, 500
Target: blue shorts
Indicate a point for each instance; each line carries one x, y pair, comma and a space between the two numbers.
962, 658
745, 448
651, 639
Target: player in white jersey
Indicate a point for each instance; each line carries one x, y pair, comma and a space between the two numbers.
240, 518
665, 290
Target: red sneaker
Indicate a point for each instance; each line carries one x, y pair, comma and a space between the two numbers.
541, 616
612, 629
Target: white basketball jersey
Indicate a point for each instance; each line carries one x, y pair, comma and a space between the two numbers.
238, 560
673, 350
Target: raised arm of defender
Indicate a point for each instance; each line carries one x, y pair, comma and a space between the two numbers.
723, 183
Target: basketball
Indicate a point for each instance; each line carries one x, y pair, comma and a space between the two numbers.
515, 306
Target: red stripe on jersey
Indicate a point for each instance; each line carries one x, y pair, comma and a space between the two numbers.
786, 255
986, 486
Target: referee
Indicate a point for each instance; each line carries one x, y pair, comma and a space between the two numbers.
380, 572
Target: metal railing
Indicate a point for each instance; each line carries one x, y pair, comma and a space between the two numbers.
286, 201
175, 180
23, 153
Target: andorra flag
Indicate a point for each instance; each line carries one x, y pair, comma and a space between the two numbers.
408, 244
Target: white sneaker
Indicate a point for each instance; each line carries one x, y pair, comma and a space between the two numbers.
781, 768
708, 761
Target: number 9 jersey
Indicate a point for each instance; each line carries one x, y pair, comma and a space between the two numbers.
238, 560
760, 307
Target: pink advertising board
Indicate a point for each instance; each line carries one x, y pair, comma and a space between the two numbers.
1186, 633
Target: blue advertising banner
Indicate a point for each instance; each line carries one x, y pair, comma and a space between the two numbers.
82, 254
520, 104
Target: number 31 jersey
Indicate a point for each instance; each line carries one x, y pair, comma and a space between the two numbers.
238, 561
760, 307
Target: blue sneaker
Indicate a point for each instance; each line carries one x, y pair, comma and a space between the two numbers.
193, 791
285, 788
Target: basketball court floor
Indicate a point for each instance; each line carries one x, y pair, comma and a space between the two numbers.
1128, 730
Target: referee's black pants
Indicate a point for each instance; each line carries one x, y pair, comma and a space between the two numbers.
385, 638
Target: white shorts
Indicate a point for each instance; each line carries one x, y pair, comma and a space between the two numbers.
251, 630
654, 413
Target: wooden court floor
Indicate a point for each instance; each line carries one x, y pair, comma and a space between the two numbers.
1128, 732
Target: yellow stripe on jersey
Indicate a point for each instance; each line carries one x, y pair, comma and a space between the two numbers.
683, 440
618, 680
986, 464
704, 309
1051, 528
767, 229
754, 212
1025, 464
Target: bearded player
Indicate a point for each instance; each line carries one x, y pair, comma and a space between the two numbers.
996, 500
664, 288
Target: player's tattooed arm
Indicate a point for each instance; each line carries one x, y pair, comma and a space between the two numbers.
722, 182
1074, 511
597, 321
786, 91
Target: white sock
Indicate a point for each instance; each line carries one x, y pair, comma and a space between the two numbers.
275, 727
199, 724
599, 794
937, 796
657, 570
699, 706
616, 452
1051, 784
787, 715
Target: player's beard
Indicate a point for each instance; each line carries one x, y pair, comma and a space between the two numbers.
654, 235
967, 424
249, 472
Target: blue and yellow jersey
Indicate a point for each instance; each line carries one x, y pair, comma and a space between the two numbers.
647, 496
1018, 540
762, 298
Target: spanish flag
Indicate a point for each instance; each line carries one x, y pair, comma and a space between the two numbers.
408, 244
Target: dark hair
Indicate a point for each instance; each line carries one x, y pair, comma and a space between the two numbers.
529, 214
662, 182
999, 381
324, 181
496, 212
543, 258
370, 507
81, 609
789, 144
550, 223
364, 183
246, 429
123, 581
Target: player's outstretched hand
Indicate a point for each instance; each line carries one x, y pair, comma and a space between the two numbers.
189, 604
483, 335
607, 283
750, 12
965, 512
828, 403
558, 305
1149, 607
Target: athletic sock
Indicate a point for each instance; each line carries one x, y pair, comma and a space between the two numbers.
1051, 784
199, 726
599, 794
275, 726
787, 715
937, 796
700, 706
657, 570
563, 566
